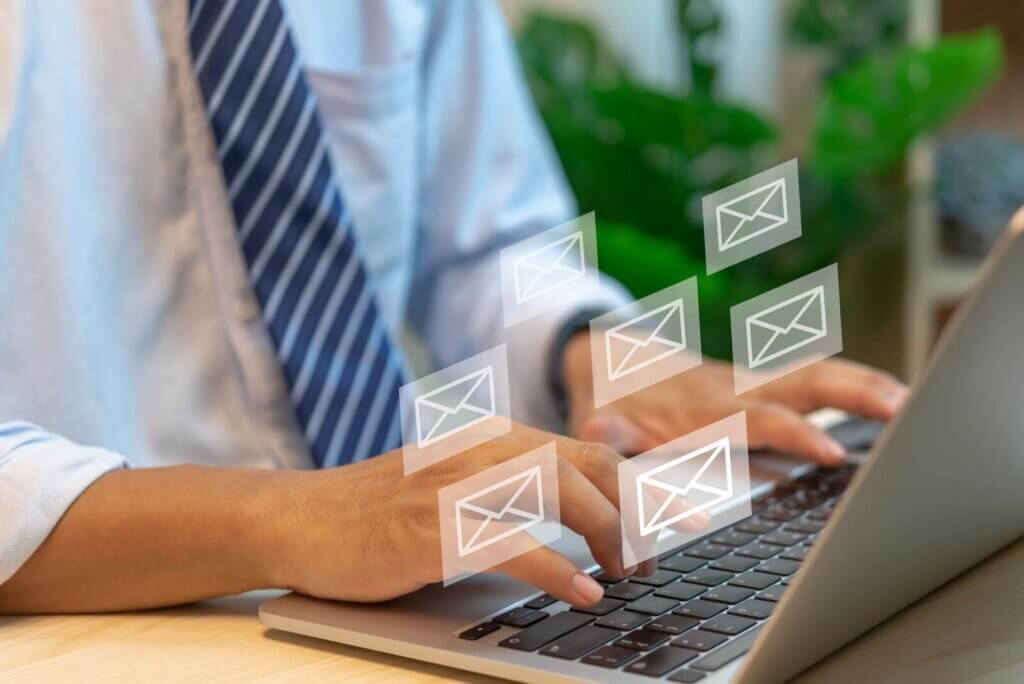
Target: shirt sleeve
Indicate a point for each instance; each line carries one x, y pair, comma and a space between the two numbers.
41, 475
490, 177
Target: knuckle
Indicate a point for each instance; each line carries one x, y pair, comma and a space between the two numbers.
596, 457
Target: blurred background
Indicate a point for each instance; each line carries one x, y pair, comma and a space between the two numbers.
907, 117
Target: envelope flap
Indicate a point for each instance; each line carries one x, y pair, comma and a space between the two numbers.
564, 253
805, 309
520, 495
472, 391
768, 201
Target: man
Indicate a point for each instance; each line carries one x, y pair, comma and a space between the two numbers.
216, 219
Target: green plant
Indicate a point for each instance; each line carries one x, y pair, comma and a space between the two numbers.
643, 158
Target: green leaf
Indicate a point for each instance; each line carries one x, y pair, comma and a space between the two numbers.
646, 264
871, 112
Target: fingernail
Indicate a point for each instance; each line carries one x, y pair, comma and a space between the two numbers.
631, 570
700, 520
897, 398
586, 588
833, 449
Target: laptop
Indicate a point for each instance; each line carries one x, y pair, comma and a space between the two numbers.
826, 555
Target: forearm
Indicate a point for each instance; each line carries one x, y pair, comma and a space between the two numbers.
152, 537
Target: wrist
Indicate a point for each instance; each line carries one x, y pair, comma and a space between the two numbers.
270, 516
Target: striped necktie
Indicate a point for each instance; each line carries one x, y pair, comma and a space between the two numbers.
342, 368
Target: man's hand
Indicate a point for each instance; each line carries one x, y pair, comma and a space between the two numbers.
365, 532
694, 398
368, 533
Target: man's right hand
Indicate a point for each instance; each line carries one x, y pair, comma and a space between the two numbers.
367, 532
155, 537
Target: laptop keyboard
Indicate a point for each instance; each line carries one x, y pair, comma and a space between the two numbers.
701, 610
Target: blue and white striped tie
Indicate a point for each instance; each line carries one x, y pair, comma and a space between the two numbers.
342, 368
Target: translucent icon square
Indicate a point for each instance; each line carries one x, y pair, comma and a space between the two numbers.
500, 513
550, 270
645, 342
662, 491
454, 409
752, 216
787, 328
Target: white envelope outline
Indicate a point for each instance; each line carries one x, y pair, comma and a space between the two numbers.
509, 512
766, 354
650, 480
568, 263
431, 434
763, 220
656, 338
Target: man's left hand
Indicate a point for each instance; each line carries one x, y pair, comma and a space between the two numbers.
776, 411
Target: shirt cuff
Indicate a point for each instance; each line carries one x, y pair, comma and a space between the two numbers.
41, 475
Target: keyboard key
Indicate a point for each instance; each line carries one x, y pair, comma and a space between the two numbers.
821, 514
757, 526
480, 631
575, 644
660, 578
604, 578
733, 563
758, 550
681, 563
543, 633
611, 657
661, 661
782, 538
780, 513
708, 577
542, 601
680, 591
686, 676
708, 551
624, 620
728, 624
627, 591
672, 624
700, 609
733, 538
805, 526
778, 566
786, 580
727, 594
653, 605
772, 594
797, 553
642, 639
603, 607
520, 617
728, 653
699, 640
753, 608
754, 580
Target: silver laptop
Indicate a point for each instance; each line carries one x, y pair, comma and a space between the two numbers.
826, 556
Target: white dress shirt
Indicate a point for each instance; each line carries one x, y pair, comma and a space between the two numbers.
131, 336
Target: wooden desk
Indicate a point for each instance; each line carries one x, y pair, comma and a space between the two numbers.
970, 630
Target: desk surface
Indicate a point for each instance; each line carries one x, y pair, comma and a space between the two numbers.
970, 630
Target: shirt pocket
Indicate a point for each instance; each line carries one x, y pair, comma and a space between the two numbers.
371, 118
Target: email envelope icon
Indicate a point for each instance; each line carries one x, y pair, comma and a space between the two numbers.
752, 214
550, 267
499, 511
455, 407
645, 340
785, 327
695, 482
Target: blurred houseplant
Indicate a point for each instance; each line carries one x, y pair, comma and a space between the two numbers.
643, 158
